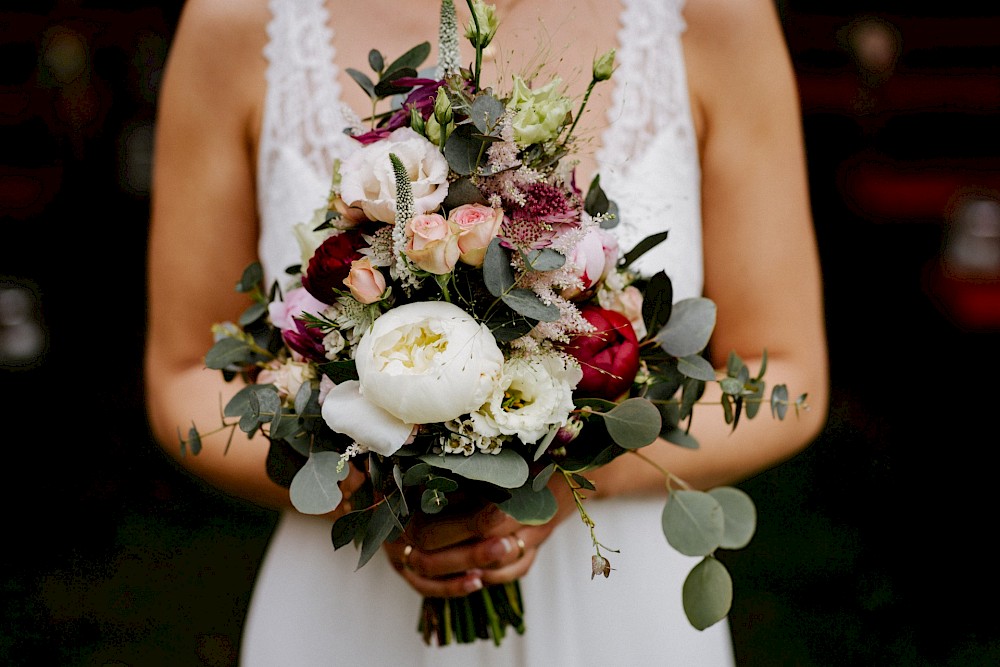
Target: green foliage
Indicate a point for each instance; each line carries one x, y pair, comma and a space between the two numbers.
506, 469
315, 488
707, 593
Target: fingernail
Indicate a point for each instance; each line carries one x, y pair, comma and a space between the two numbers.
500, 548
473, 585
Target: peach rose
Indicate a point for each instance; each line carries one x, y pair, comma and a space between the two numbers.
477, 225
432, 244
367, 284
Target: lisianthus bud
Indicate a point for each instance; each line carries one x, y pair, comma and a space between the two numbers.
604, 65
442, 107
486, 17
568, 432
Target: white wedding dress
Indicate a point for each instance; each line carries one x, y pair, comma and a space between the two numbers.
310, 606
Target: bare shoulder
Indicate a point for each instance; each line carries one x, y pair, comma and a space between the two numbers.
736, 57
217, 51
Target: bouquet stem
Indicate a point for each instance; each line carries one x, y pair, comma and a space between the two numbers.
483, 615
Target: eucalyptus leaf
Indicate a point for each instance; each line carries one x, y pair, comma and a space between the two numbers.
485, 113
731, 386
227, 352
252, 276
315, 488
463, 152
689, 328
633, 423
254, 312
432, 501
416, 474
375, 60
681, 438
542, 478
693, 522
545, 259
379, 528
498, 274
527, 303
740, 515
463, 191
194, 440
530, 506
506, 469
707, 593
442, 484
697, 367
779, 401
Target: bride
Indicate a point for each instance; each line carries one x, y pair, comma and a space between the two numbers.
698, 133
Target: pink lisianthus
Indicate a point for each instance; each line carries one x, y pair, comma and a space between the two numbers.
477, 225
296, 302
432, 243
609, 355
367, 284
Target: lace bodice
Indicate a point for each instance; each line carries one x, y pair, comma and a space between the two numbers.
648, 157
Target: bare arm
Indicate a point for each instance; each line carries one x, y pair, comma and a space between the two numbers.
761, 263
203, 233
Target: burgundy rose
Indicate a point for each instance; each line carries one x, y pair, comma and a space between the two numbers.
331, 263
609, 356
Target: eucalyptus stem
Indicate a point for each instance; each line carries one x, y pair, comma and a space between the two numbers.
666, 473
478, 47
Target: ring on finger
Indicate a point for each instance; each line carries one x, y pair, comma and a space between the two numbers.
520, 546
407, 550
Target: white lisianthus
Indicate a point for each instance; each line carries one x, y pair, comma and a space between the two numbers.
369, 182
534, 394
428, 362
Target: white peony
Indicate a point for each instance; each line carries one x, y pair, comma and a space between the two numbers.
421, 363
368, 180
534, 394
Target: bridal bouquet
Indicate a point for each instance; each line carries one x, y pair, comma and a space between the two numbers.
464, 328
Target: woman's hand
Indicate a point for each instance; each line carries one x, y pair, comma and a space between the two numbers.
454, 554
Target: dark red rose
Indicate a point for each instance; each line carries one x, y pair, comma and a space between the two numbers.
609, 356
331, 263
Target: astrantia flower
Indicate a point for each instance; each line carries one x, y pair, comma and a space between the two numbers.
534, 394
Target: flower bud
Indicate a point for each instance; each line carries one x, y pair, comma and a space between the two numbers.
604, 65
486, 17
442, 107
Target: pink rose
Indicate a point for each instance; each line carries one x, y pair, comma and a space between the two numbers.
432, 244
477, 225
367, 284
609, 355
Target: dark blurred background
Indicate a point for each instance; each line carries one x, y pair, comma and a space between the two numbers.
873, 546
